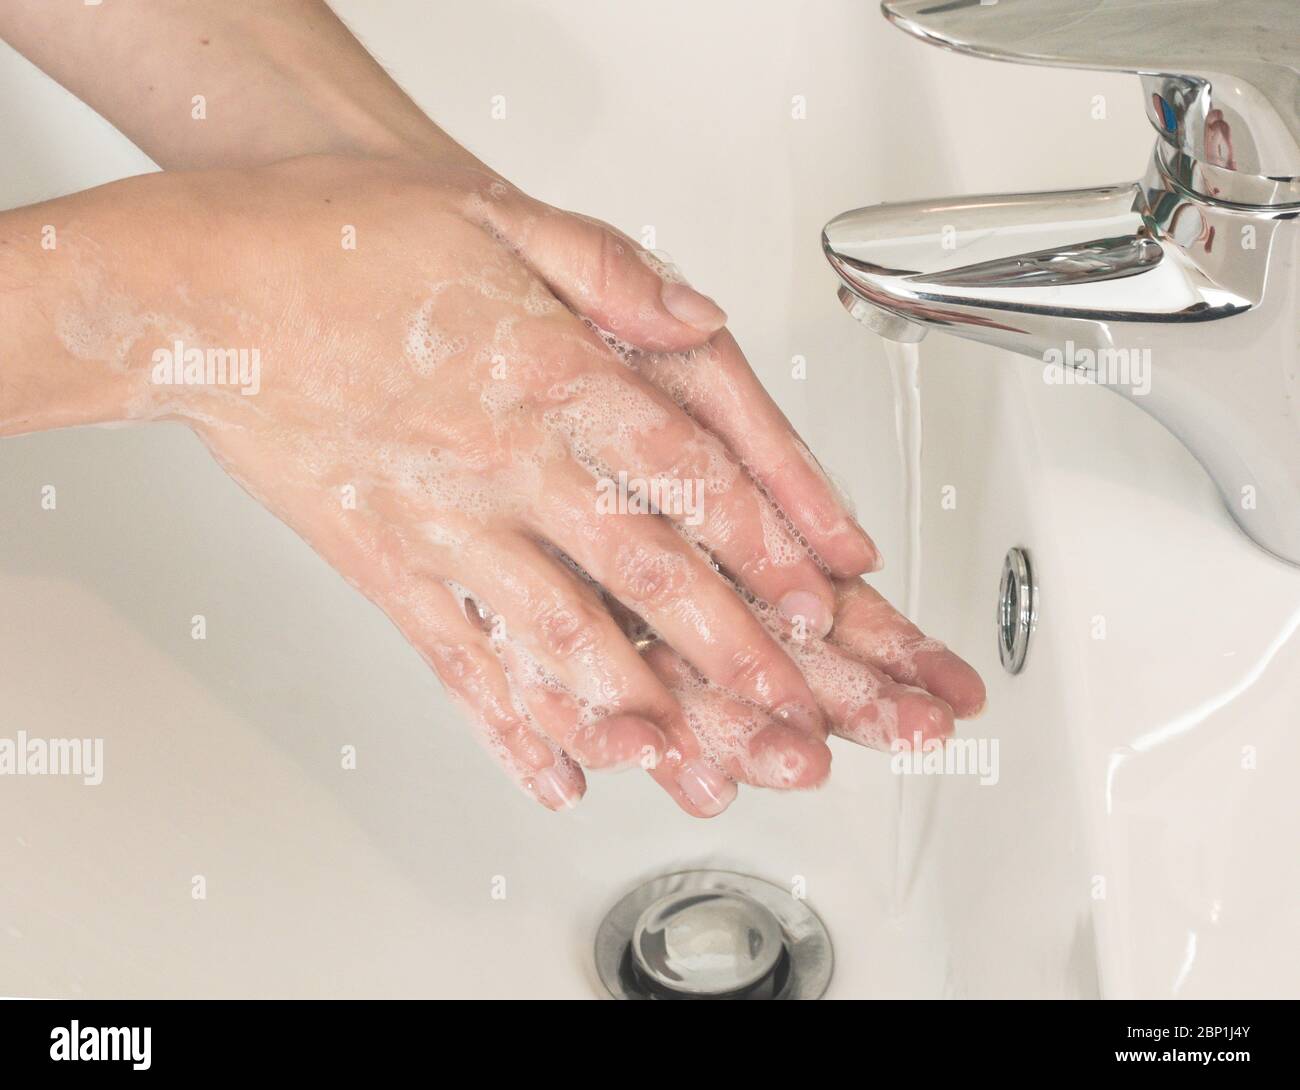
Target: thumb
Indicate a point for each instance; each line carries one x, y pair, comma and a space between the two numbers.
604, 276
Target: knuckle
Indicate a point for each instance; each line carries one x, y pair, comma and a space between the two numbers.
747, 672
569, 628
649, 573
455, 664
466, 676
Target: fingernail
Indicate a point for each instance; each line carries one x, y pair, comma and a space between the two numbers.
708, 790
553, 791
689, 306
801, 717
803, 605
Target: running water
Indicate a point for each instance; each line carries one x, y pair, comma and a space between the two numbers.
904, 372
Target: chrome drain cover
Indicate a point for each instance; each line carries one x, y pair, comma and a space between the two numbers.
704, 944
1017, 610
712, 935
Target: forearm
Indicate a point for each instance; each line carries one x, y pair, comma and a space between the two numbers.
74, 283
278, 78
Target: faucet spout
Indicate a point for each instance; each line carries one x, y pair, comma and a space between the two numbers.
1182, 304
1025, 271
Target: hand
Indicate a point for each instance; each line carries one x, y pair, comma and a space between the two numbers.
432, 420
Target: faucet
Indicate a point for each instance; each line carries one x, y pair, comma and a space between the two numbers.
1178, 291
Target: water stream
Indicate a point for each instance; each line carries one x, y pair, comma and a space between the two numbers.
904, 372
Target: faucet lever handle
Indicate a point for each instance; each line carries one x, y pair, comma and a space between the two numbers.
1221, 75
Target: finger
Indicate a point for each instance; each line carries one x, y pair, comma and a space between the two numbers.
617, 741
375, 559
736, 737
651, 455
870, 629
866, 706
861, 702
646, 565
564, 627
433, 620
603, 275
717, 387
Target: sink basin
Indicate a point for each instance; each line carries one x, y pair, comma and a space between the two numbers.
1131, 846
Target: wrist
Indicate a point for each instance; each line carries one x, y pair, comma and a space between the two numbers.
67, 324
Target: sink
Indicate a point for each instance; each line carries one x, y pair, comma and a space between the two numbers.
1140, 840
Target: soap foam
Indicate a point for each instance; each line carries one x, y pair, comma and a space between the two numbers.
426, 346
599, 412
526, 676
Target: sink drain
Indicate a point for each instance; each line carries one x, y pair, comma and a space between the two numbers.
1017, 610
712, 935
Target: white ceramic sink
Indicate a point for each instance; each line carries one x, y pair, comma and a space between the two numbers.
1147, 795
1120, 758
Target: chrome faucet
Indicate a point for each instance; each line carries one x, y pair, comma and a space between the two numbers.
1178, 291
